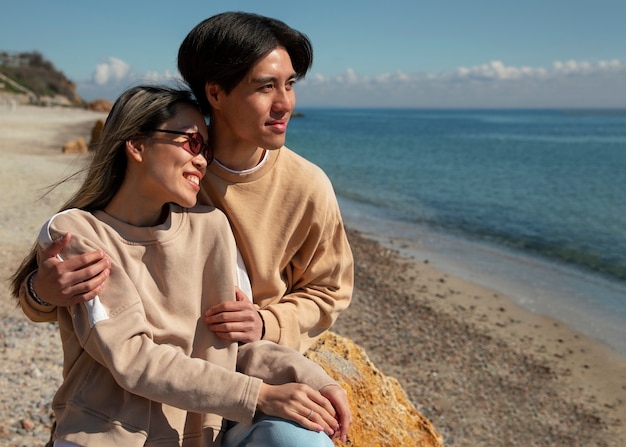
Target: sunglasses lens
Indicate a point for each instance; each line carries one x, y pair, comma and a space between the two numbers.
198, 146
195, 143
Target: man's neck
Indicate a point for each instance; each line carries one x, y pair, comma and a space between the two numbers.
240, 160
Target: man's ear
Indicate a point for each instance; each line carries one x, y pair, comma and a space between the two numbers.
135, 149
213, 92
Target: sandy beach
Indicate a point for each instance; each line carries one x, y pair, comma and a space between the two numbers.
485, 371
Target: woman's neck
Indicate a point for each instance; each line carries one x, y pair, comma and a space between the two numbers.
132, 208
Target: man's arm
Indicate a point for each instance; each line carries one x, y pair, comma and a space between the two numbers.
302, 276
62, 283
322, 285
323, 280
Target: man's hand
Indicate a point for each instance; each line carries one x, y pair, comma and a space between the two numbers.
78, 279
235, 320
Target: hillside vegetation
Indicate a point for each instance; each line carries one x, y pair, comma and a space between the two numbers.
33, 75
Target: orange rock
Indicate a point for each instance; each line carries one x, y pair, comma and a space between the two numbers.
381, 411
75, 147
96, 131
100, 105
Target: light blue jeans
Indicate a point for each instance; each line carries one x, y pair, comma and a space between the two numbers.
62, 443
267, 431
264, 432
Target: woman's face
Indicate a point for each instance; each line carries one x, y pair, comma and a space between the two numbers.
171, 170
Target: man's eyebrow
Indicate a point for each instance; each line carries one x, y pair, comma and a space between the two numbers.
265, 79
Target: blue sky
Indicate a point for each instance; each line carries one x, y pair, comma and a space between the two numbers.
389, 53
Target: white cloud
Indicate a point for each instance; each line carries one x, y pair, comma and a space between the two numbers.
493, 84
112, 76
495, 70
349, 77
112, 70
567, 83
165, 77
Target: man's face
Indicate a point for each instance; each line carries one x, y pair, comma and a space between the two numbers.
256, 112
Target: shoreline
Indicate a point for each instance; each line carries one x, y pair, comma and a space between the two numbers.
468, 324
484, 370
541, 286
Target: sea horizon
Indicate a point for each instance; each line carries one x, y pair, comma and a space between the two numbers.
618, 111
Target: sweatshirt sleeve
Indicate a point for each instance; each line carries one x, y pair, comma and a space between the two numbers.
277, 365
321, 275
114, 331
123, 343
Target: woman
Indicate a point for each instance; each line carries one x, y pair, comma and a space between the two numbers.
140, 367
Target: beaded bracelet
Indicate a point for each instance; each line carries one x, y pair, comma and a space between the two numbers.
31, 290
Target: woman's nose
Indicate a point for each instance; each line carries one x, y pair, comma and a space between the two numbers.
200, 163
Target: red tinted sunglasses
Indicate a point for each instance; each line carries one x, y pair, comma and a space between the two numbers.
195, 143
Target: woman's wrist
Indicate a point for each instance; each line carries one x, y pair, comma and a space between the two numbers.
31, 290
262, 325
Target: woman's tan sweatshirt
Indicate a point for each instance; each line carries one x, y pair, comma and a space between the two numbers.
140, 366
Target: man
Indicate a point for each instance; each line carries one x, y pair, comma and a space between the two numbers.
284, 214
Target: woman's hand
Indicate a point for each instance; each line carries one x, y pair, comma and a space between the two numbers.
301, 404
339, 399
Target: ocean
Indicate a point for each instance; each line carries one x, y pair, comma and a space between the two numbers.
529, 202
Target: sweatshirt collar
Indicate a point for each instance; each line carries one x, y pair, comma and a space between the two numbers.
265, 165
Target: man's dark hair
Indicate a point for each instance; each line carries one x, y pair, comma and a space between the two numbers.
223, 48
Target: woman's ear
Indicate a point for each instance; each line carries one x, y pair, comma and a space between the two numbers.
135, 149
212, 90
